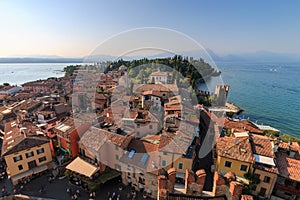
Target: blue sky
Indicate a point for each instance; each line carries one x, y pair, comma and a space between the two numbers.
74, 28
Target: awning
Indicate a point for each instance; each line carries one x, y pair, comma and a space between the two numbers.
64, 150
20, 176
82, 167
180, 175
39, 169
264, 160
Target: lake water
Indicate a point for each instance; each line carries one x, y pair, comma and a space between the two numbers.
268, 92
17, 73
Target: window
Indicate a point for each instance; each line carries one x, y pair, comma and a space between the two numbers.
257, 176
244, 168
142, 181
228, 164
31, 164
262, 191
180, 165
164, 163
20, 167
29, 154
150, 126
82, 152
288, 182
116, 147
267, 179
39, 151
298, 186
18, 158
138, 125
254, 187
117, 167
165, 153
117, 157
42, 159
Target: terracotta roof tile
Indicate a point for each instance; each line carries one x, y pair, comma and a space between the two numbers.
262, 145
242, 125
235, 148
153, 93
141, 146
170, 88
288, 167
177, 142
16, 140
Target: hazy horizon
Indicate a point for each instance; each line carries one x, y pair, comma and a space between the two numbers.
75, 28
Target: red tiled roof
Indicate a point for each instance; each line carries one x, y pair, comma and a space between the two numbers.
235, 148
262, 145
94, 138
242, 125
119, 140
176, 143
292, 147
14, 140
3, 96
265, 168
170, 88
288, 167
151, 138
153, 93
141, 146
173, 107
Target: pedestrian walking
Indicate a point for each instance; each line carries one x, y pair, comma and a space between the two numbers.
77, 192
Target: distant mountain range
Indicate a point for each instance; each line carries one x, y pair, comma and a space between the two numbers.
261, 56
40, 60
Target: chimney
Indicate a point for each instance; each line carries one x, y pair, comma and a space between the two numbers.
162, 182
189, 180
219, 185
201, 176
172, 175
236, 189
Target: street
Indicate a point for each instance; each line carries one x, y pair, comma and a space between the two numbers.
57, 189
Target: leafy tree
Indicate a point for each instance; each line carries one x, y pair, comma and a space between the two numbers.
253, 180
289, 138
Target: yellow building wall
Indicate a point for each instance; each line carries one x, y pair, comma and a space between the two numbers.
187, 164
235, 166
176, 159
13, 166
